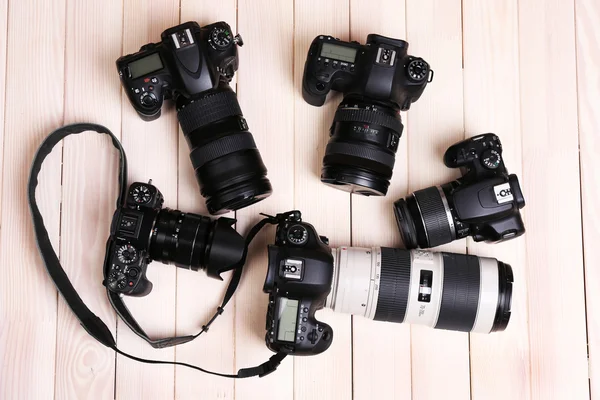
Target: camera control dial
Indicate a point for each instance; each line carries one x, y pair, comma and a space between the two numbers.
417, 70
220, 38
491, 159
127, 254
141, 194
297, 235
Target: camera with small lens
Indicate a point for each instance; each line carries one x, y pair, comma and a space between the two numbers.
193, 66
142, 231
484, 203
378, 80
440, 290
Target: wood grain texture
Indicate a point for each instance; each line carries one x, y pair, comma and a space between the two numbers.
557, 326
152, 152
85, 368
435, 121
266, 94
197, 295
587, 21
328, 375
3, 45
28, 300
491, 98
380, 350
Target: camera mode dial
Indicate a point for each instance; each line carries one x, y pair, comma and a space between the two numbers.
141, 194
148, 99
417, 70
127, 254
220, 38
297, 234
491, 159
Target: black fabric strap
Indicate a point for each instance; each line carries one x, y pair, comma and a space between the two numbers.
90, 321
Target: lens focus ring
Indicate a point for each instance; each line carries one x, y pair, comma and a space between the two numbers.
221, 147
393, 285
207, 110
434, 216
369, 117
361, 151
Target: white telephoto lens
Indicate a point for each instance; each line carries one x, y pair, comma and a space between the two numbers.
439, 290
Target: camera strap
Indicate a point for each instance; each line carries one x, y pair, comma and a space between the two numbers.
90, 321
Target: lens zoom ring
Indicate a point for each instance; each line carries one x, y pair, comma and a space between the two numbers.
460, 294
207, 110
434, 216
369, 117
393, 285
361, 151
221, 147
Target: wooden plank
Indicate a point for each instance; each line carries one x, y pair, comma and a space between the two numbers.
152, 152
3, 45
587, 23
434, 32
27, 297
500, 367
380, 372
266, 94
328, 375
557, 327
84, 367
197, 295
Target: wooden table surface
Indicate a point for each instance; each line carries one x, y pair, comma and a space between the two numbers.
528, 70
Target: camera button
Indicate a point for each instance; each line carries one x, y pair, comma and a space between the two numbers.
305, 309
320, 86
154, 80
136, 90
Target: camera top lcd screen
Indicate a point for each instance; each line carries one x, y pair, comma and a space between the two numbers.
341, 53
287, 312
145, 65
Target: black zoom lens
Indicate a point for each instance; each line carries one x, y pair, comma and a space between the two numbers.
360, 155
195, 242
425, 219
227, 163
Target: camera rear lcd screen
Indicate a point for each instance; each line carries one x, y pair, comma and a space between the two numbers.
145, 65
341, 53
287, 313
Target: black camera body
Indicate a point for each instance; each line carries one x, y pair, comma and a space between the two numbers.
298, 281
380, 70
378, 80
484, 203
142, 231
486, 200
188, 60
193, 65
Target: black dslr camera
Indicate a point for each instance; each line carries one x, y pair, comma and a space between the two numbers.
298, 281
378, 80
193, 65
380, 283
142, 231
483, 203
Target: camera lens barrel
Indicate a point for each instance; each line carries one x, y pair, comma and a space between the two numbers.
440, 290
227, 163
360, 155
425, 219
192, 241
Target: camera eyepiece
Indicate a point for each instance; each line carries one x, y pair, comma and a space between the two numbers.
227, 163
360, 155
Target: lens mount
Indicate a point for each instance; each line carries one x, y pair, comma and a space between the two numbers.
360, 155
